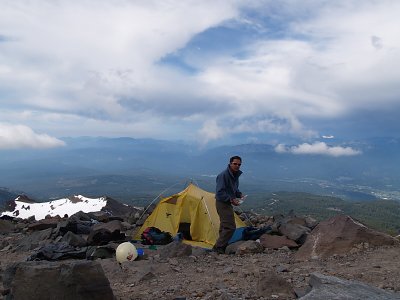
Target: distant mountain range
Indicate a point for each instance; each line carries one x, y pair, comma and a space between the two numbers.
139, 169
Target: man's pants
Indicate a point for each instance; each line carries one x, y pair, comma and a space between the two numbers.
227, 225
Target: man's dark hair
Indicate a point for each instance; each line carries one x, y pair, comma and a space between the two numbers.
235, 157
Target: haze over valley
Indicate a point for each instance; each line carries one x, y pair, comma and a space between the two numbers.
139, 169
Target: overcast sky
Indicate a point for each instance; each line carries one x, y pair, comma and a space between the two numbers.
209, 71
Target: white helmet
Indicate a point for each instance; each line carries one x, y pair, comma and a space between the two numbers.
126, 252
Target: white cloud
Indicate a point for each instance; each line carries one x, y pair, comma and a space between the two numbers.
210, 131
318, 148
214, 130
59, 44
20, 136
99, 62
332, 72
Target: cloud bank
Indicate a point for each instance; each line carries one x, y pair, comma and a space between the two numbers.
20, 136
189, 69
318, 148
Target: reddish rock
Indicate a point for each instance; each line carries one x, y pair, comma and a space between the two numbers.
339, 235
44, 224
277, 241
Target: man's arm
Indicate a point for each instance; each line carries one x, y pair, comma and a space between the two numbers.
238, 193
221, 190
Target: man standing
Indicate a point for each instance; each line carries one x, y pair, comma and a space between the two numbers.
227, 194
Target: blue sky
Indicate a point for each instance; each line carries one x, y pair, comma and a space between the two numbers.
211, 72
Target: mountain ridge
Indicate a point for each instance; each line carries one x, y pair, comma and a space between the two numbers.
370, 174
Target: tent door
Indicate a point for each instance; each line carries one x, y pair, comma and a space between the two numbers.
184, 228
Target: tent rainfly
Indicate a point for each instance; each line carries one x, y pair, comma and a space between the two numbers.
192, 209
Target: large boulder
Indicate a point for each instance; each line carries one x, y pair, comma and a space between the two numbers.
46, 280
44, 224
74, 239
339, 235
330, 287
295, 232
102, 233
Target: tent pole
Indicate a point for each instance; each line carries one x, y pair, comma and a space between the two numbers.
208, 212
242, 212
148, 206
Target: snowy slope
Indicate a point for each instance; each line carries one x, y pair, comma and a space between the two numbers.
59, 207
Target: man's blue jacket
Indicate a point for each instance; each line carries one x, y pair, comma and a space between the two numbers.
228, 185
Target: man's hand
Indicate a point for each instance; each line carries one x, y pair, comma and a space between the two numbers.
235, 202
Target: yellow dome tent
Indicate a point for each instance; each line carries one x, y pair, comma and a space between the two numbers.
192, 206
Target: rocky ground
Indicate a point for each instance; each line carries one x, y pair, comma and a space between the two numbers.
207, 275
211, 276
282, 263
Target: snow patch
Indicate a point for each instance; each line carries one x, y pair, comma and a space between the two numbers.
56, 207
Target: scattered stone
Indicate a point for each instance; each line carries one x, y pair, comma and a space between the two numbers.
244, 247
270, 283
176, 249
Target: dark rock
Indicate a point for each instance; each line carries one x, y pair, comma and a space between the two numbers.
100, 216
295, 232
75, 226
102, 233
310, 222
330, 287
6, 226
44, 224
34, 240
116, 208
6, 217
44, 280
74, 239
81, 216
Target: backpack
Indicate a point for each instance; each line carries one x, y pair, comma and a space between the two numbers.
154, 236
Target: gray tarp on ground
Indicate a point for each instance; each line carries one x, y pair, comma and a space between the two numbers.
58, 251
